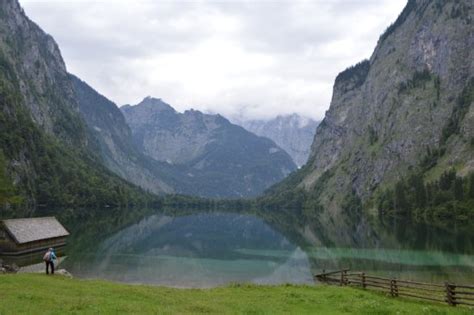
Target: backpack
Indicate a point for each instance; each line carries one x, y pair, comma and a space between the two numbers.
47, 256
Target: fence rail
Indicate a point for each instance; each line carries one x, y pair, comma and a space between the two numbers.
450, 293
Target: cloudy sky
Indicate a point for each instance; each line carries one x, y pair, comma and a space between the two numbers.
255, 58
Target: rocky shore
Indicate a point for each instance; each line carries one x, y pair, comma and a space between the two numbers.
13, 268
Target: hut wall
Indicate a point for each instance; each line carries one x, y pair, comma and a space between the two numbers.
52, 242
6, 242
8, 245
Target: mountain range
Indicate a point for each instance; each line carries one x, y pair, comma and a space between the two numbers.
62, 143
219, 158
398, 138
293, 133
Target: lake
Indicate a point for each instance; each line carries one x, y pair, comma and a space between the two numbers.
211, 249
200, 250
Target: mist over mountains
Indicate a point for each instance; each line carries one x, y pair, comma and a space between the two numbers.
293, 133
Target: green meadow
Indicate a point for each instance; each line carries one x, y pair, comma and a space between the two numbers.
41, 294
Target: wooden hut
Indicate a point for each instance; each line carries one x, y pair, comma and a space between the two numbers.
22, 236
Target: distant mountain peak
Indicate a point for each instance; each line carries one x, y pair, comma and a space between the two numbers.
292, 132
155, 104
225, 160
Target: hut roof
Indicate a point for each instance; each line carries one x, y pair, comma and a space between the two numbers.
34, 229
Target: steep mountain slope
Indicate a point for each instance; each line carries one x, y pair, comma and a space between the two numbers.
114, 136
293, 133
221, 159
45, 147
32, 65
407, 109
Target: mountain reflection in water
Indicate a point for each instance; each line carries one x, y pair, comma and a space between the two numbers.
186, 249
202, 250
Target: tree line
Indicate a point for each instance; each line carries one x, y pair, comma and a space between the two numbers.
449, 197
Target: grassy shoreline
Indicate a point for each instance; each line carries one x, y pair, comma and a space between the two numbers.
38, 293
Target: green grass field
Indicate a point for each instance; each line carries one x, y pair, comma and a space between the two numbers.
41, 294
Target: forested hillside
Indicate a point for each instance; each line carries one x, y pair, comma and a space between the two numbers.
46, 157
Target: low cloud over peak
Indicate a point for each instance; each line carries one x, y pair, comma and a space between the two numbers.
256, 58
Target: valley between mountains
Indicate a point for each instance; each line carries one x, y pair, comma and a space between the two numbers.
397, 140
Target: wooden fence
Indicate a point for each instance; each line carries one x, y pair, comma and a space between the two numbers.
450, 293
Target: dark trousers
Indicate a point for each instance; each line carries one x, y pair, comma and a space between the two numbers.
48, 264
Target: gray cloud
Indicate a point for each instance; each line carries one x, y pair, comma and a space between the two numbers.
256, 58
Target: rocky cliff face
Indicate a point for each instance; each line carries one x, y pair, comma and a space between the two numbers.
46, 150
293, 133
31, 59
114, 138
221, 159
411, 98
168, 136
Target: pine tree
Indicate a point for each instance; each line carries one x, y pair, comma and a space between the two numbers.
458, 189
400, 200
419, 191
471, 185
446, 180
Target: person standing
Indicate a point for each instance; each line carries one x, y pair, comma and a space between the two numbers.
49, 258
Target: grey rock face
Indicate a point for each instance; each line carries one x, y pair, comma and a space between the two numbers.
219, 159
34, 87
168, 136
107, 123
385, 112
41, 74
188, 153
293, 133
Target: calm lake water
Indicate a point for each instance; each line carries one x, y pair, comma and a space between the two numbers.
202, 250
212, 249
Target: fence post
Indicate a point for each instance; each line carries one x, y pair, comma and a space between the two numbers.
363, 280
343, 277
450, 294
393, 288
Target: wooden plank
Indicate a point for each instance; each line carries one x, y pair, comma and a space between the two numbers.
405, 286
378, 282
464, 286
463, 298
331, 273
432, 296
422, 292
406, 281
422, 283
378, 286
465, 303
464, 292
379, 278
419, 297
